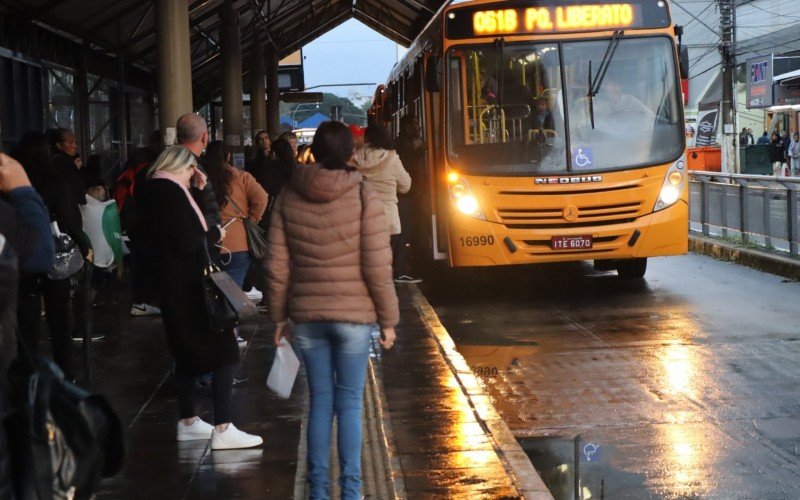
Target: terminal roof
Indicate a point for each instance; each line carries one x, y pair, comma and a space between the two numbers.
286, 25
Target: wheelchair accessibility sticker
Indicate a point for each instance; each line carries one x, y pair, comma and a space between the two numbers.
582, 158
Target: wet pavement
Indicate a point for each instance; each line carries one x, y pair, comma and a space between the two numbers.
683, 385
423, 436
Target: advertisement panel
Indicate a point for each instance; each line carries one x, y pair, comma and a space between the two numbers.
707, 119
786, 94
759, 82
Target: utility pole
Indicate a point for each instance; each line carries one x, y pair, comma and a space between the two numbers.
727, 48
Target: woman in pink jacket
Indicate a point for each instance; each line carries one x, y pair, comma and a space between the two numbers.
330, 272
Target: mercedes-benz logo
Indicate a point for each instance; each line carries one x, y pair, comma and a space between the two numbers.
571, 213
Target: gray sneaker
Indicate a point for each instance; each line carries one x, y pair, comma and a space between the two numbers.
407, 279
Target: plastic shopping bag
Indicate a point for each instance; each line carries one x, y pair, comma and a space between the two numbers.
284, 370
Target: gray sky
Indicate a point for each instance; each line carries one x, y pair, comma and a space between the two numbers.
351, 53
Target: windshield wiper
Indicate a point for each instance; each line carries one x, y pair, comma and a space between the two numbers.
596, 81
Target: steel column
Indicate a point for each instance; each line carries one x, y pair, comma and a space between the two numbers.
82, 103
174, 64
273, 93
258, 110
744, 207
122, 103
791, 219
704, 206
231, 59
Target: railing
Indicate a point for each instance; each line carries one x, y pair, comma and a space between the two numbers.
758, 210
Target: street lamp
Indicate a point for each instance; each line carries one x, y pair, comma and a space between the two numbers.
294, 122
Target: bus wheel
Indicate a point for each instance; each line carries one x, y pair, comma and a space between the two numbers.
632, 268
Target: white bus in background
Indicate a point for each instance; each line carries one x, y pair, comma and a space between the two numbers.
304, 135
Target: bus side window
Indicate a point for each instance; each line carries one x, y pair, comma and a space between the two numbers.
455, 103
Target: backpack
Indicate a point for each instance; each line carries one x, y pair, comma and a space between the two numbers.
62, 439
123, 193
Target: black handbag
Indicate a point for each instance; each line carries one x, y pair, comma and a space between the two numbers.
256, 235
68, 256
226, 303
62, 439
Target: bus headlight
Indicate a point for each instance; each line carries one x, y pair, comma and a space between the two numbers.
462, 197
467, 204
674, 183
669, 195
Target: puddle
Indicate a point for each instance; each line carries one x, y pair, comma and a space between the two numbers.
577, 469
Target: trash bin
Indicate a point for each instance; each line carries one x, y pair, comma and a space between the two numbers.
706, 158
755, 160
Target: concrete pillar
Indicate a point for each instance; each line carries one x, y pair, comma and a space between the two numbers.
258, 110
273, 93
174, 64
231, 60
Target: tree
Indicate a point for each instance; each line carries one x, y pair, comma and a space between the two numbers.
351, 114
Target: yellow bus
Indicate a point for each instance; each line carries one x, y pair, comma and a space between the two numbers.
553, 131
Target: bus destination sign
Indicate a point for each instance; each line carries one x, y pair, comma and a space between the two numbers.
535, 18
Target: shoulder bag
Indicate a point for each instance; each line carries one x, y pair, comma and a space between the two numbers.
62, 439
68, 256
226, 303
256, 236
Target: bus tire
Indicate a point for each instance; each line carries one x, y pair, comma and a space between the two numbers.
632, 268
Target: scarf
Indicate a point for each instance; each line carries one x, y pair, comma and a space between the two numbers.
169, 177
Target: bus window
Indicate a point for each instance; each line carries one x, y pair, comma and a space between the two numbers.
504, 111
636, 110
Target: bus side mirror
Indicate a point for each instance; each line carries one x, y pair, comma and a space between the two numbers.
683, 61
433, 74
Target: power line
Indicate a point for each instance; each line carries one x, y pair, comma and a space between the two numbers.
697, 18
717, 65
772, 13
703, 56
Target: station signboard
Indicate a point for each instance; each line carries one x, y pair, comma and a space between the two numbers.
786, 94
291, 77
759, 82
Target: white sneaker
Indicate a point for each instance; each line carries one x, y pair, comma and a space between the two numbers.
232, 439
198, 431
144, 310
254, 294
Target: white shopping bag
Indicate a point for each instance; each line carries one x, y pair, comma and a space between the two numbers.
284, 370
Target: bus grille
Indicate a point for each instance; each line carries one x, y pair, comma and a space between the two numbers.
549, 218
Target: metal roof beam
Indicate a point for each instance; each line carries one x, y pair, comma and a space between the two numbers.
118, 15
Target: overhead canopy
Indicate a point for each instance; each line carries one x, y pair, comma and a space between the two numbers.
790, 78
286, 25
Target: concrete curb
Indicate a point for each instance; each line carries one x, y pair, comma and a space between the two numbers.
382, 438
510, 453
377, 465
761, 260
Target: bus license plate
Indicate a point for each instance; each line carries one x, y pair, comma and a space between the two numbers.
571, 242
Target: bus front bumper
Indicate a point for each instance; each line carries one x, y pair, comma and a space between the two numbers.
474, 242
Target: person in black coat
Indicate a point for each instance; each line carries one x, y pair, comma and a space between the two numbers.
776, 154
61, 201
24, 234
68, 164
176, 233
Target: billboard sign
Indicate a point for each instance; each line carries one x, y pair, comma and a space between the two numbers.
759, 82
707, 119
787, 94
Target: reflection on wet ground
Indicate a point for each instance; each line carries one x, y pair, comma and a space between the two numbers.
685, 384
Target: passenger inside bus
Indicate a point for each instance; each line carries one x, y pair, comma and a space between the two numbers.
508, 106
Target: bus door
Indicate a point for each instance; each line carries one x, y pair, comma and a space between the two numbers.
433, 137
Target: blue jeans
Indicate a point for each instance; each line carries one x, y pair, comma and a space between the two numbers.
336, 357
238, 266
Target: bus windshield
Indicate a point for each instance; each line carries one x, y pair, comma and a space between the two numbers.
513, 109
